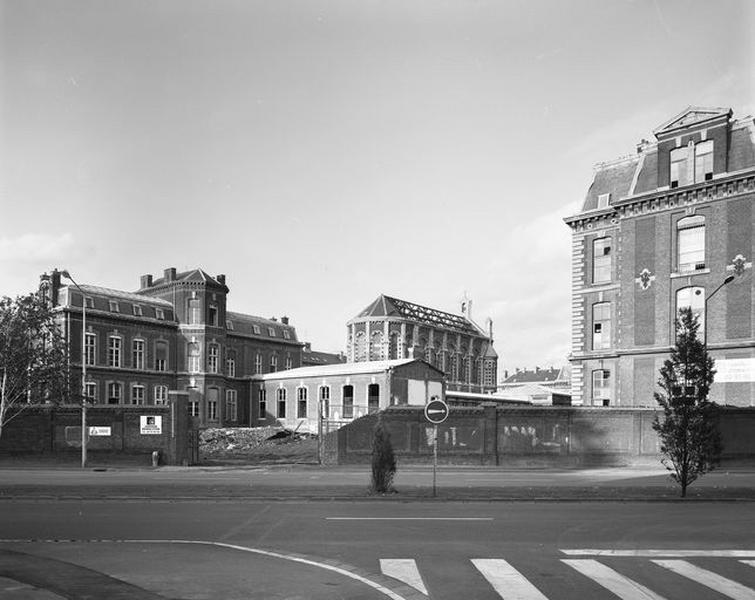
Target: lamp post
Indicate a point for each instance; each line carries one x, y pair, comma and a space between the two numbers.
67, 275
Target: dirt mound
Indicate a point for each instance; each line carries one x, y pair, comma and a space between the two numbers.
255, 445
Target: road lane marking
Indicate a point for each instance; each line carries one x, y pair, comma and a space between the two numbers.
714, 581
650, 553
613, 581
509, 583
405, 570
748, 562
410, 519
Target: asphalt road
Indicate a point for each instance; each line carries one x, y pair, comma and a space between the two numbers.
450, 550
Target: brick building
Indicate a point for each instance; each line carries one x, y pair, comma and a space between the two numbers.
390, 328
173, 333
660, 230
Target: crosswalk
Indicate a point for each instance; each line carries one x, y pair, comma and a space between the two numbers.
510, 584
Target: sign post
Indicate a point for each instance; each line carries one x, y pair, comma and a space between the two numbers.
436, 411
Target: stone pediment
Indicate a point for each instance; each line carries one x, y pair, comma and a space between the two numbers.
691, 116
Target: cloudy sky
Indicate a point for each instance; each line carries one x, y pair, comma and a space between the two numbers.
321, 152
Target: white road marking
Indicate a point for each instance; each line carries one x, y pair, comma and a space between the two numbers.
509, 583
748, 562
623, 587
716, 582
403, 569
650, 553
408, 518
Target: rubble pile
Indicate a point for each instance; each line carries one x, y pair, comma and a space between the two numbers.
272, 442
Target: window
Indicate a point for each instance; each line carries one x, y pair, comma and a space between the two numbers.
137, 354
91, 391
262, 401
194, 408
603, 200
393, 346
212, 404
230, 365
256, 329
488, 377
467, 370
325, 401
376, 345
691, 243
694, 298
601, 387
231, 405
114, 392
439, 359
271, 332
286, 334
273, 363
113, 304
679, 171
360, 347
229, 325
194, 356
90, 348
281, 403
373, 398
114, 351
89, 301
194, 315
289, 362
704, 161
137, 310
212, 358
601, 325
161, 394
160, 314
601, 260
161, 356
137, 394
301, 403
348, 402
213, 315
258, 363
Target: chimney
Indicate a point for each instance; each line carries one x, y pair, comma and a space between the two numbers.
221, 278
145, 281
170, 274
466, 306
490, 328
274, 319
284, 320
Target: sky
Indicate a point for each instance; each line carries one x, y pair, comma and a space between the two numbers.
322, 152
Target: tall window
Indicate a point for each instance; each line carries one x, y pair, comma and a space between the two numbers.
439, 360
301, 403
114, 351
161, 356
289, 361
601, 387
91, 391
393, 345
258, 363
230, 364
360, 347
262, 403
348, 402
114, 392
212, 358
376, 346
601, 325
704, 161
213, 315
194, 408
194, 316
325, 401
601, 260
90, 348
137, 394
694, 298
231, 405
453, 365
137, 354
161, 394
679, 171
194, 362
489, 373
212, 404
373, 398
281, 394
273, 363
691, 243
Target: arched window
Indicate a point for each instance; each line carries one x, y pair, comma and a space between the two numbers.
193, 352
302, 395
376, 345
393, 345
348, 402
373, 398
692, 297
325, 401
281, 395
690, 238
194, 311
439, 359
360, 347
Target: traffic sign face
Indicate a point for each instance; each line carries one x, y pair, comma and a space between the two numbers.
436, 411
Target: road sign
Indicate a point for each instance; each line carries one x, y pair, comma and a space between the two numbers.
436, 411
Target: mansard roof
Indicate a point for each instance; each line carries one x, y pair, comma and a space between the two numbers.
244, 325
387, 306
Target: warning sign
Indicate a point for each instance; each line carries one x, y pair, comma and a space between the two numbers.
99, 431
150, 425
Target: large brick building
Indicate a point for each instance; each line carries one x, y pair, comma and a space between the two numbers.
173, 333
660, 230
390, 328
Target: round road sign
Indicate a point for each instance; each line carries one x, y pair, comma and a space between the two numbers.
436, 411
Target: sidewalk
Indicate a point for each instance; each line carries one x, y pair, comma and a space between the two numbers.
27, 481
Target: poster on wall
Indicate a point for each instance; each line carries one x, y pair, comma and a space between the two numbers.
150, 424
735, 370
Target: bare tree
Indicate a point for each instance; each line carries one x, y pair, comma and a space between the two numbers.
33, 357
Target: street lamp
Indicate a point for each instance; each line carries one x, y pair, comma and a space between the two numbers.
728, 279
67, 275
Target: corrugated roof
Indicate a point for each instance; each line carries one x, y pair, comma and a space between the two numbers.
354, 368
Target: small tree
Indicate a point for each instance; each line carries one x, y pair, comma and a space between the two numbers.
383, 459
690, 439
33, 358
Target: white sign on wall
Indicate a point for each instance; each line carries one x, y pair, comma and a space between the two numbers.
150, 424
99, 431
735, 370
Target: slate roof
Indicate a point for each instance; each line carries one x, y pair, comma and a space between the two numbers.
314, 357
95, 290
387, 306
244, 325
197, 275
352, 368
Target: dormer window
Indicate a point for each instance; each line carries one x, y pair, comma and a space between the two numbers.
137, 310
229, 325
256, 329
691, 163
603, 200
271, 332
679, 171
704, 161
160, 314
286, 334
113, 304
89, 302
